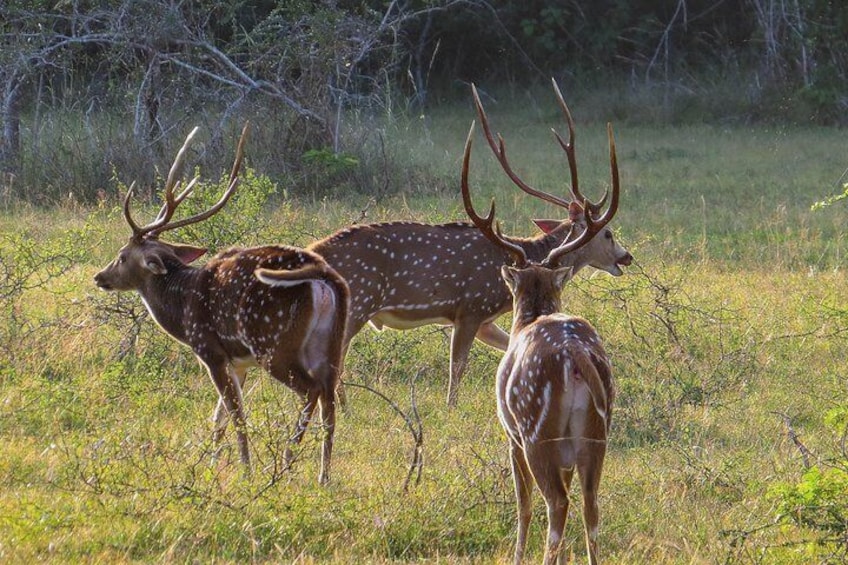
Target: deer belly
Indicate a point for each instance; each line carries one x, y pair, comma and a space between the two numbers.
405, 319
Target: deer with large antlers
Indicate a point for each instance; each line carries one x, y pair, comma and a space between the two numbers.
277, 307
404, 275
554, 384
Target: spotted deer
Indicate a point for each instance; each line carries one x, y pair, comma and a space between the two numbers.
554, 385
274, 306
404, 275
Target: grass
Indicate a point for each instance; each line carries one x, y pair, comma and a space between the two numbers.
730, 326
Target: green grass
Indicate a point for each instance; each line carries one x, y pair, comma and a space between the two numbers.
732, 319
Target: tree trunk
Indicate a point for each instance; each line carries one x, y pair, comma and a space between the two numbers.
10, 143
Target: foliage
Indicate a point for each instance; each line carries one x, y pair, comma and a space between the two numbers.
241, 222
831, 199
818, 502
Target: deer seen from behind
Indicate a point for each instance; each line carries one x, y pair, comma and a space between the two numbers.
403, 275
275, 306
554, 385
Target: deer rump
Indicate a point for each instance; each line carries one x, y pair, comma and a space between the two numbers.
564, 414
277, 304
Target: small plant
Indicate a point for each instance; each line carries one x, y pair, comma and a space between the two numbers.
818, 502
324, 168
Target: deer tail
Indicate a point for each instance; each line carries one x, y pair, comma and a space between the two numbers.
317, 271
593, 380
292, 277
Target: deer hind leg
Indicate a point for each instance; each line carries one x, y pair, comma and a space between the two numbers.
523, 493
309, 404
590, 478
328, 421
340, 390
355, 323
551, 482
461, 339
221, 416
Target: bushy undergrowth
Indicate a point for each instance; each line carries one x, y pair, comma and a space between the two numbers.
727, 338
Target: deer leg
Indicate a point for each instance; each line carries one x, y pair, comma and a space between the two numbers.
340, 391
229, 394
310, 401
549, 478
461, 340
221, 416
523, 492
354, 325
328, 420
590, 478
491, 334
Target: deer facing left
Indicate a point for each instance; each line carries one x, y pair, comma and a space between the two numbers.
278, 307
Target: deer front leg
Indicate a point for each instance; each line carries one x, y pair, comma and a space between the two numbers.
221, 418
230, 398
491, 334
461, 340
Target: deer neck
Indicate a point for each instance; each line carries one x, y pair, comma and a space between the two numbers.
529, 305
165, 298
537, 248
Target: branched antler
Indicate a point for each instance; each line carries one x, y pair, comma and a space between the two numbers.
163, 222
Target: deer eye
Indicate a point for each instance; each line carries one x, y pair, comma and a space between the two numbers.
122, 259
608, 234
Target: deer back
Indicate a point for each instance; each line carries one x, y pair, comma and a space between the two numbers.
417, 273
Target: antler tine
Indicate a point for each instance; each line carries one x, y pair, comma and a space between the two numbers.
570, 154
234, 179
137, 231
167, 210
499, 149
178, 199
485, 224
614, 179
592, 226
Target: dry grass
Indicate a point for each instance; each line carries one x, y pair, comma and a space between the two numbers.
732, 319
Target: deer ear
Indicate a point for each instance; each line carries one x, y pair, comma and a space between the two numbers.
576, 212
563, 275
510, 276
187, 253
547, 226
154, 264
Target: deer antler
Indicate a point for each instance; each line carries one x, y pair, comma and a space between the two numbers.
162, 222
593, 226
499, 149
593, 208
485, 224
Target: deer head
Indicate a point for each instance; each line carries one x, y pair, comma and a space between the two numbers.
493, 233
145, 256
603, 252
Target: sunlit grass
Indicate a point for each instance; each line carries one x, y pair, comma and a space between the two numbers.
731, 321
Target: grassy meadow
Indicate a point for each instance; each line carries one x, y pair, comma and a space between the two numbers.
728, 341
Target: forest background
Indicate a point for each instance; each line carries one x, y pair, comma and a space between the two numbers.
136, 70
